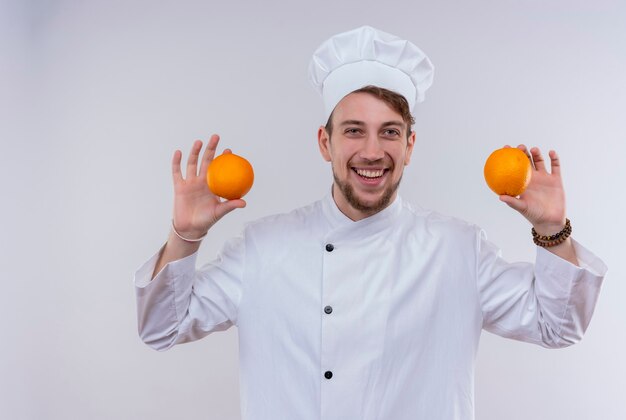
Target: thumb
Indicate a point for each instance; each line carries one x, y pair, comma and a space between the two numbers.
514, 203
226, 207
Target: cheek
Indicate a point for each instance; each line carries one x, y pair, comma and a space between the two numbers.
342, 157
341, 165
400, 157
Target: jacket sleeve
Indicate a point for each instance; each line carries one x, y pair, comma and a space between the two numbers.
549, 303
182, 304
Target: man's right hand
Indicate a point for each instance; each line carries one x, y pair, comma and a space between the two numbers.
196, 208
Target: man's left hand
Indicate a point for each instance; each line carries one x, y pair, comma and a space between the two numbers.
543, 201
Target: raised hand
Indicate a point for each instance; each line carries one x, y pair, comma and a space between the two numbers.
543, 202
196, 208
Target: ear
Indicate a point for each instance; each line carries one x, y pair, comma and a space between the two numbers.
323, 141
409, 148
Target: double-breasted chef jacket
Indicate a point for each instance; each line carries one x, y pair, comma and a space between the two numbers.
372, 319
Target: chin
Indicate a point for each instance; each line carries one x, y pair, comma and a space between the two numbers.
368, 205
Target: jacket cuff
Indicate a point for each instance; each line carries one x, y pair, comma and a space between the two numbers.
564, 269
143, 275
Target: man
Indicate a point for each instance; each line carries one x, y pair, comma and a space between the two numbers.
359, 306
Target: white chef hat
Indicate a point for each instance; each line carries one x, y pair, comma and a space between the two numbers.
366, 56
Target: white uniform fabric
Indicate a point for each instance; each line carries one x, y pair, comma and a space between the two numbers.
410, 292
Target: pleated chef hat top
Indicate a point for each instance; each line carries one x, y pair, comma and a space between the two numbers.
367, 56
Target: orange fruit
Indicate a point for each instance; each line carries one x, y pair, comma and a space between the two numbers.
508, 171
230, 176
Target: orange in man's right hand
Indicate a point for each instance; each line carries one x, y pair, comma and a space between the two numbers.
508, 171
230, 176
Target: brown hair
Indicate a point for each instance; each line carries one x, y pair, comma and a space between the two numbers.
395, 101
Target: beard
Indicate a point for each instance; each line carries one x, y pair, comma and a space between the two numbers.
367, 208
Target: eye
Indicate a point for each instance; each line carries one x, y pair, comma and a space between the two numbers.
352, 131
391, 132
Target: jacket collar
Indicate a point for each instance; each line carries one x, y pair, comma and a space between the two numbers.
338, 220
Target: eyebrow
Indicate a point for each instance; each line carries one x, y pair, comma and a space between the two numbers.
352, 122
390, 123
361, 123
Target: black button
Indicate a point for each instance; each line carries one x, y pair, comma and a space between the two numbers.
329, 247
328, 374
328, 309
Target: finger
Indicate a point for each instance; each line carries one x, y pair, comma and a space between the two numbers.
209, 153
226, 207
177, 175
538, 159
514, 203
192, 161
506, 146
226, 151
555, 163
524, 149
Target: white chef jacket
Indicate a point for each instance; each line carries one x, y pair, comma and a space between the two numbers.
374, 319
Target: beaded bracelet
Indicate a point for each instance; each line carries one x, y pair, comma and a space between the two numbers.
186, 239
552, 240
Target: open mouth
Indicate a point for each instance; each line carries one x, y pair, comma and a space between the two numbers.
370, 174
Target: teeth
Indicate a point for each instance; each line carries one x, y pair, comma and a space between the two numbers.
370, 174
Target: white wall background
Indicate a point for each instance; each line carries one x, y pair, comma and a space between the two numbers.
96, 95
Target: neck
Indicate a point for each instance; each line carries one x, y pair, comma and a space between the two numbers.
355, 210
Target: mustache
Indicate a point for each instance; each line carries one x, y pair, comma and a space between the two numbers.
371, 163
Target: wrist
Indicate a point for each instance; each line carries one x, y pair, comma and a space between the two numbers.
179, 248
548, 229
552, 239
191, 237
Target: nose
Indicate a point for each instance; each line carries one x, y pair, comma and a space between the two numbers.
372, 149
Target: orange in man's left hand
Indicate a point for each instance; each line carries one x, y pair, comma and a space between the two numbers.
508, 171
230, 176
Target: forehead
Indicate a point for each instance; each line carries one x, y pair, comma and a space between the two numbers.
364, 107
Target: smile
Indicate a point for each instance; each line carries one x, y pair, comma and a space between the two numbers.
370, 173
